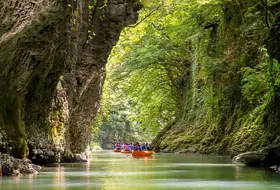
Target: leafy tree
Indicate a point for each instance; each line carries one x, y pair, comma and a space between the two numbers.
200, 63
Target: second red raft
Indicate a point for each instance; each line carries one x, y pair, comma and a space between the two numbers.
117, 150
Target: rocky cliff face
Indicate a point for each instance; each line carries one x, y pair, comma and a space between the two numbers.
52, 58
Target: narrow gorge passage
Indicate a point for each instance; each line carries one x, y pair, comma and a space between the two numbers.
178, 77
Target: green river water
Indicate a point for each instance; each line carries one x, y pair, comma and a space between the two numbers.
108, 170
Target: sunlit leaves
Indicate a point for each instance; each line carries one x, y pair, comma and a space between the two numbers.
152, 60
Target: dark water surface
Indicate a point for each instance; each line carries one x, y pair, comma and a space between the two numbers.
109, 170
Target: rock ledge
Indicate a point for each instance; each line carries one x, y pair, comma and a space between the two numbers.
11, 166
268, 156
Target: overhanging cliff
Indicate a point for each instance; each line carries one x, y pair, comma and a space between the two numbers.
52, 58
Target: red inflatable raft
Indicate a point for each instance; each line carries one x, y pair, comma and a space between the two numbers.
117, 150
143, 153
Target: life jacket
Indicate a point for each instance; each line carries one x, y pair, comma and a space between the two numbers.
137, 148
126, 148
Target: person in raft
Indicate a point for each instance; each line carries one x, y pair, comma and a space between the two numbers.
126, 147
122, 146
118, 146
143, 147
137, 147
131, 146
148, 147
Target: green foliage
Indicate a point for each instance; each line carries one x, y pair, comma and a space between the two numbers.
234, 82
259, 83
116, 127
255, 84
202, 64
112, 123
152, 62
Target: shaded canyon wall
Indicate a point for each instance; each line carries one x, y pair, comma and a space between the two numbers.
52, 58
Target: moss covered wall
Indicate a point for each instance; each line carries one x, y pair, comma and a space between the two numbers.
233, 99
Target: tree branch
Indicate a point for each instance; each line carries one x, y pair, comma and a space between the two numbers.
133, 26
266, 14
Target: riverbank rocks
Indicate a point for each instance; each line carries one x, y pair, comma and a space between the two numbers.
84, 157
268, 156
75, 158
45, 156
13, 167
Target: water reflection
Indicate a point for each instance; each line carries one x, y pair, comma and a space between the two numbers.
58, 179
237, 172
30, 181
164, 171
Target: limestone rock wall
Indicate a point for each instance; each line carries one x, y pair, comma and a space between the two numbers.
52, 58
